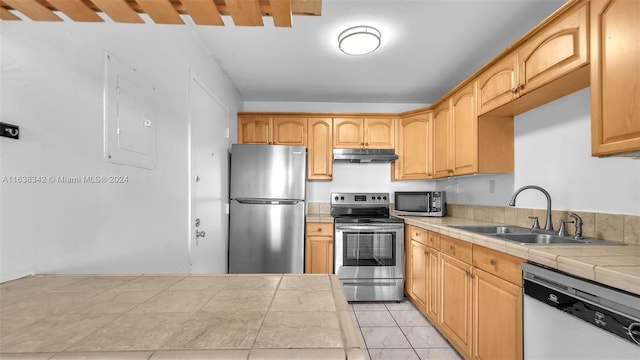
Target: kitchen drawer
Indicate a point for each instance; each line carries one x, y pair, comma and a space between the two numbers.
420, 235
320, 229
456, 248
499, 264
433, 240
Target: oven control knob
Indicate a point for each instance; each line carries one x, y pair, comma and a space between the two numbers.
342, 198
335, 198
378, 197
384, 198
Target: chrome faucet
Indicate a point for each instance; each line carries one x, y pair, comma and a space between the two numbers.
578, 220
549, 223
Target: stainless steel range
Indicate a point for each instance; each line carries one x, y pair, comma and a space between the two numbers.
369, 251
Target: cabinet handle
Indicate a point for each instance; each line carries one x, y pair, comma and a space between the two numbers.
319, 229
493, 262
362, 143
366, 144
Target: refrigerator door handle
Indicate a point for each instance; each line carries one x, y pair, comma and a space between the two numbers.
268, 202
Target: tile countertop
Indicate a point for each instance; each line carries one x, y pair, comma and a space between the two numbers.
615, 266
267, 316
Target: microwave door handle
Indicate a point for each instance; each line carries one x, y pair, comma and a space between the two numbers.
367, 227
429, 202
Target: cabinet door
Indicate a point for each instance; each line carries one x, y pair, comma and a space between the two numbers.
320, 149
497, 85
615, 76
442, 141
414, 147
254, 129
319, 248
455, 311
418, 274
348, 133
465, 131
289, 130
433, 285
379, 133
559, 48
497, 320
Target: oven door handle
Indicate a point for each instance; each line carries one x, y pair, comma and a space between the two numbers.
369, 227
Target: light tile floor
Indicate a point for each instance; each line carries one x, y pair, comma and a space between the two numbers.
398, 331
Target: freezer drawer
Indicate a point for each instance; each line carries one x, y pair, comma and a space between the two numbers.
266, 237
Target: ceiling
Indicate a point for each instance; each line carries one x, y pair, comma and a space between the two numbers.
428, 47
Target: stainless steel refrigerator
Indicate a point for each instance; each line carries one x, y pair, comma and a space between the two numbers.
267, 209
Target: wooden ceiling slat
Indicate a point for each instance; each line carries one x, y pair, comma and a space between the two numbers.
203, 12
281, 12
76, 10
161, 11
245, 12
33, 10
118, 11
7, 15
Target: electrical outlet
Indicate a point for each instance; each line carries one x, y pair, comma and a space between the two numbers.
10, 131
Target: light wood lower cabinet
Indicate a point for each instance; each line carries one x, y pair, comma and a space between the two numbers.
456, 310
497, 318
471, 294
319, 249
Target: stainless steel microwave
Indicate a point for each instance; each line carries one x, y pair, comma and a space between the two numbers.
421, 203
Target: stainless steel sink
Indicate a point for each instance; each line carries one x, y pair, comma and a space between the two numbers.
532, 237
494, 229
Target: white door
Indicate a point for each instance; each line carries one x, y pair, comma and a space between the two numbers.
208, 220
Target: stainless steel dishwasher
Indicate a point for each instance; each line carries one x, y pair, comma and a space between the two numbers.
565, 317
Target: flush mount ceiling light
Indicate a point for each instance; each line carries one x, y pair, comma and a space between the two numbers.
359, 40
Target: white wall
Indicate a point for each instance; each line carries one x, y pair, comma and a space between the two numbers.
51, 86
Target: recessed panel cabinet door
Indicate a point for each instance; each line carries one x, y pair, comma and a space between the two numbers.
615, 76
379, 133
497, 318
414, 147
497, 85
320, 149
465, 131
418, 274
348, 133
290, 130
455, 311
254, 129
442, 141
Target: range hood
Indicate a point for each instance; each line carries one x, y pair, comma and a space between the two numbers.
364, 155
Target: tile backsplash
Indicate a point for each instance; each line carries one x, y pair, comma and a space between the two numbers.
614, 227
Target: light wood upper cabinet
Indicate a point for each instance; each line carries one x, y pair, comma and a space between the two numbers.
379, 133
359, 132
442, 150
290, 130
465, 131
464, 143
276, 130
254, 129
557, 49
497, 85
413, 146
319, 249
320, 149
615, 77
